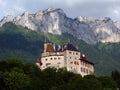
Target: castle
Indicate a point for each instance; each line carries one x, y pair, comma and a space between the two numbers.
66, 56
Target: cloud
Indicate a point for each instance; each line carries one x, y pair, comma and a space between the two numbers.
78, 2
20, 9
73, 8
14, 11
116, 12
2, 3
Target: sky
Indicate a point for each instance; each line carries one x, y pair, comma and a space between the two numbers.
72, 8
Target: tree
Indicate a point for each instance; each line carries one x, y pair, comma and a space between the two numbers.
10, 64
15, 81
107, 82
116, 76
80, 83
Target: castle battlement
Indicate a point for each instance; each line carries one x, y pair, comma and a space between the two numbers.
46, 54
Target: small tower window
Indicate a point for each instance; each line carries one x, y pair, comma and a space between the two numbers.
81, 69
73, 53
84, 70
58, 62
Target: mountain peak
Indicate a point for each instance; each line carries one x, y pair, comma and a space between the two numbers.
55, 21
50, 9
86, 19
7, 18
54, 10
25, 14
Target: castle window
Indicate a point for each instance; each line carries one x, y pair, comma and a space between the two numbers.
75, 62
59, 58
84, 70
73, 53
81, 63
54, 58
58, 63
46, 59
71, 62
81, 69
50, 58
90, 72
48, 64
76, 53
69, 52
70, 57
86, 65
87, 71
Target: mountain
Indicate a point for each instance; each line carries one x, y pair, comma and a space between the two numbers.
20, 42
55, 21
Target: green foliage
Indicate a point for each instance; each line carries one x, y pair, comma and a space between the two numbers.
21, 76
107, 82
11, 64
12, 76
15, 81
116, 76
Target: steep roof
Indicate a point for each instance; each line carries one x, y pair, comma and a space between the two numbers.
50, 48
68, 46
84, 59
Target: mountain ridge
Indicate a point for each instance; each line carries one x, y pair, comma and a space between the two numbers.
55, 21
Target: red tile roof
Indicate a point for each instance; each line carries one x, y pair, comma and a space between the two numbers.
50, 48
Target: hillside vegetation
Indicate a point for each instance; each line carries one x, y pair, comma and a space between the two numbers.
19, 42
16, 75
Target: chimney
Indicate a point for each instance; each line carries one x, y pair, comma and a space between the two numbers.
45, 45
77, 47
83, 57
59, 47
54, 47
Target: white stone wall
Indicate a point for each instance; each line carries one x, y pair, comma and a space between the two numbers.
86, 68
69, 59
72, 56
52, 61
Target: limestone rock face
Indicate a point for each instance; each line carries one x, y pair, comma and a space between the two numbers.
55, 21
6, 19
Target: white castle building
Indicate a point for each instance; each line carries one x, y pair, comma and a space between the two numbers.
66, 56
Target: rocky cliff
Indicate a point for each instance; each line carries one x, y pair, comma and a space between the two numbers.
55, 21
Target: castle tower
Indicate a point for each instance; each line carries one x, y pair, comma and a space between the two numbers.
45, 45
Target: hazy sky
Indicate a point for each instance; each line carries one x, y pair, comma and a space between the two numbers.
73, 8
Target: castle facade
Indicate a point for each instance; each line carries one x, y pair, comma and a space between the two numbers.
67, 56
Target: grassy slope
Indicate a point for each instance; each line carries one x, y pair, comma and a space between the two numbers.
16, 41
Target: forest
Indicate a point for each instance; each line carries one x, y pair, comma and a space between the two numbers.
18, 75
